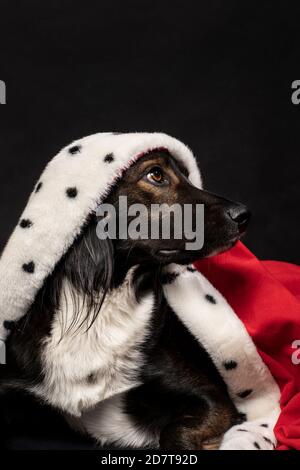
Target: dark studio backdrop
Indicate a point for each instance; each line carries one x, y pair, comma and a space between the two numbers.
215, 74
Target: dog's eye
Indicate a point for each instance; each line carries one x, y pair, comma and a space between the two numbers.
156, 176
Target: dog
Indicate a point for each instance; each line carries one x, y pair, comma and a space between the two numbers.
100, 342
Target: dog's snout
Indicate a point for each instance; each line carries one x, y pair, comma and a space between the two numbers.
240, 214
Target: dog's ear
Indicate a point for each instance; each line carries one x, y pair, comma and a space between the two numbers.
89, 268
89, 264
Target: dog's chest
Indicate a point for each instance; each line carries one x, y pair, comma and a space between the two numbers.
84, 367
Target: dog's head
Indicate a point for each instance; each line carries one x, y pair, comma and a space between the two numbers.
156, 179
94, 265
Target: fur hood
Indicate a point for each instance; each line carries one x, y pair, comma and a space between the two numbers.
72, 186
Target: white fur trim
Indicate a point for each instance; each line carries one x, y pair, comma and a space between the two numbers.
253, 435
212, 321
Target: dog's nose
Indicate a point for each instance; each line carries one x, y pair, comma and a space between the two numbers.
240, 214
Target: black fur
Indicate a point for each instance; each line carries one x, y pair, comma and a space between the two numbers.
29, 267
210, 299
25, 223
38, 187
245, 393
230, 365
109, 158
75, 149
72, 192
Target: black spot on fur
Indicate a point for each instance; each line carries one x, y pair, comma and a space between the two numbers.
92, 378
9, 325
168, 278
256, 444
268, 440
29, 267
210, 299
243, 430
264, 425
245, 393
109, 158
71, 192
229, 365
38, 187
191, 269
25, 223
75, 149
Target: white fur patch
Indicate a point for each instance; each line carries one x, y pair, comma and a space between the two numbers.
83, 368
108, 423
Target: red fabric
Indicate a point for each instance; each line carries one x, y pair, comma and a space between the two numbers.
266, 297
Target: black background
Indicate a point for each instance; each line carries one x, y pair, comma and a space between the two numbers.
216, 74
